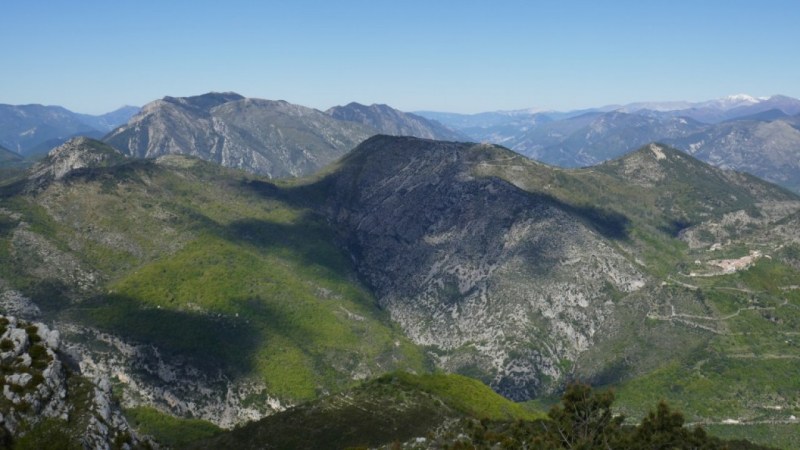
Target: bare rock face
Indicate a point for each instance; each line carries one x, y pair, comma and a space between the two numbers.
34, 382
273, 138
15, 303
77, 153
168, 384
496, 281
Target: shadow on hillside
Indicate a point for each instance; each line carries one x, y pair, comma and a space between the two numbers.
674, 227
264, 189
310, 196
306, 239
609, 223
210, 342
12, 188
7, 225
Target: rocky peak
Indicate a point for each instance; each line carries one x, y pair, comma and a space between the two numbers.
77, 153
273, 138
646, 166
256, 104
205, 101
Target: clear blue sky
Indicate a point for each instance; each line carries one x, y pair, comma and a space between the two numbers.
462, 56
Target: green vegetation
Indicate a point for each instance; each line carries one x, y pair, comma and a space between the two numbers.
12, 166
243, 277
208, 266
463, 394
386, 412
746, 370
50, 434
393, 407
584, 420
168, 430
778, 435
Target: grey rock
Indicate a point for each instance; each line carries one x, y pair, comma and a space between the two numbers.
273, 138
77, 153
766, 149
14, 303
387, 120
48, 397
173, 386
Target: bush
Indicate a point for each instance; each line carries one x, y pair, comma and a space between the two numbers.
37, 352
6, 345
37, 379
33, 333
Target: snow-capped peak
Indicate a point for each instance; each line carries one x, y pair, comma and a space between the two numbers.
740, 98
731, 101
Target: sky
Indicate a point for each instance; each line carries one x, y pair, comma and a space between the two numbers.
458, 56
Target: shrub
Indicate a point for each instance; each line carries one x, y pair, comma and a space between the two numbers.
37, 352
6, 345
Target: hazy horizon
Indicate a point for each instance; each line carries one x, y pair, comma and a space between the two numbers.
533, 108
463, 57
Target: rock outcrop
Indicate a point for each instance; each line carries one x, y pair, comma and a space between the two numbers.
77, 153
37, 386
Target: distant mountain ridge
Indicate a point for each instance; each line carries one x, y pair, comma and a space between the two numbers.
280, 143
268, 137
388, 120
108, 121
734, 132
765, 145
35, 129
274, 138
7, 155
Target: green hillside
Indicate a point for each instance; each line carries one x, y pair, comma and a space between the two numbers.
254, 296
721, 347
395, 407
191, 258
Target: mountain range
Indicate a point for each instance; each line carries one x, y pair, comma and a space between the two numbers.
273, 138
760, 136
209, 293
756, 135
36, 129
